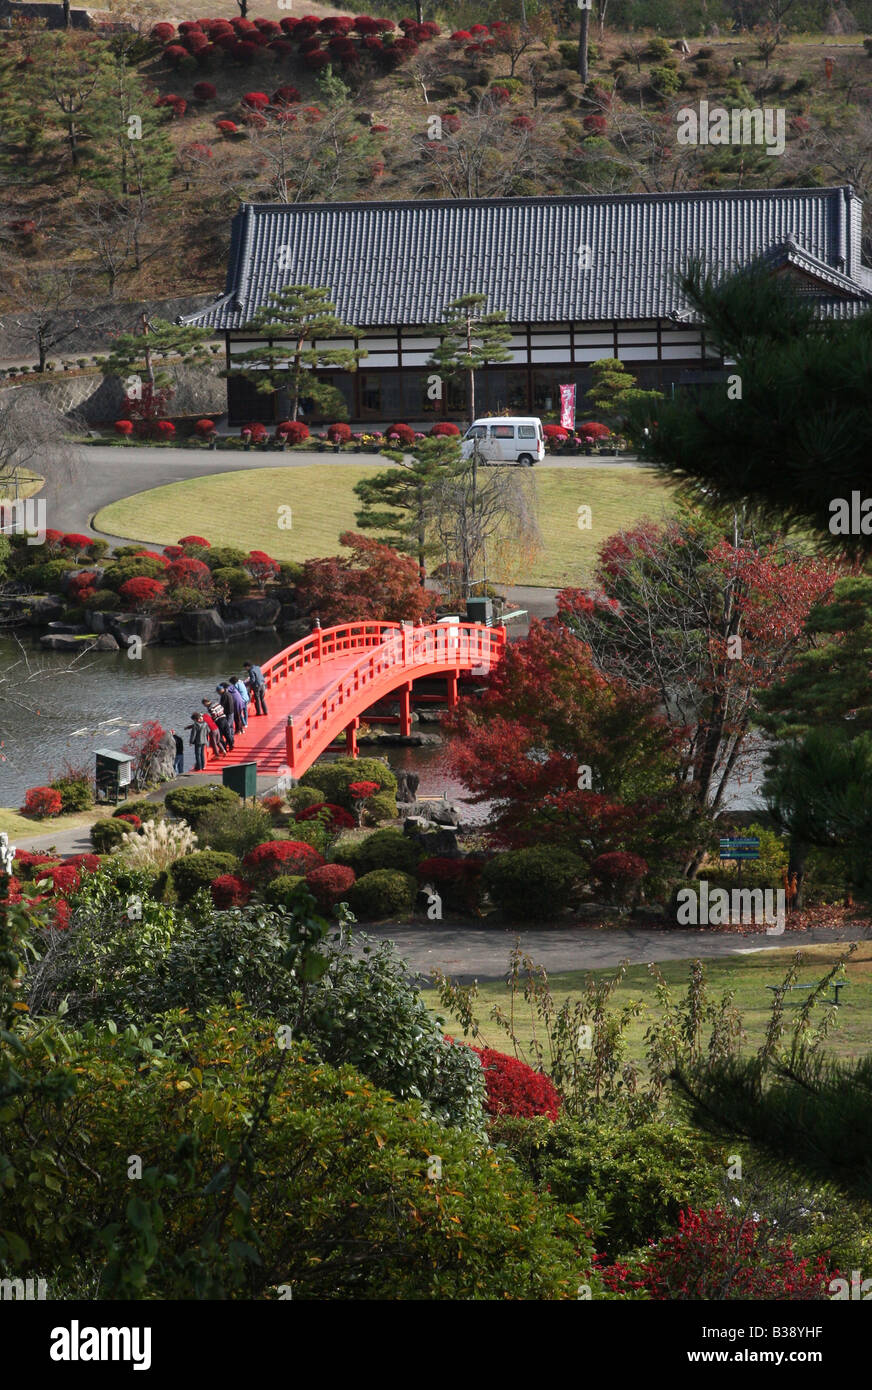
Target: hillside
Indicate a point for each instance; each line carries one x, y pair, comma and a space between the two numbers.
109, 194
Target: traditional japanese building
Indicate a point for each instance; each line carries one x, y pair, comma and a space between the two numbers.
579, 279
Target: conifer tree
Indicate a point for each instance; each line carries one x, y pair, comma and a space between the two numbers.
470, 339
399, 503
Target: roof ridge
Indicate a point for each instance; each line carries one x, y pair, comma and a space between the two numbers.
689, 195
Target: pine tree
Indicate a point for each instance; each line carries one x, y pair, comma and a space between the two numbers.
295, 316
132, 358
131, 154
399, 503
615, 393
470, 339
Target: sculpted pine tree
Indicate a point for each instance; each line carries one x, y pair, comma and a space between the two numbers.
470, 339
400, 503
296, 316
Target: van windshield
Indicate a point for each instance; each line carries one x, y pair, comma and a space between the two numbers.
477, 432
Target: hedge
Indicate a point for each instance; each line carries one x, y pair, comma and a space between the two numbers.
334, 778
197, 870
106, 835
383, 849
533, 883
192, 803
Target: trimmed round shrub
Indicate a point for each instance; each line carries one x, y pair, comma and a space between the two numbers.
231, 580
303, 795
380, 808
42, 802
294, 431
339, 433
28, 862
107, 835
457, 881
224, 557
282, 891
275, 857
229, 890
514, 1088
383, 849
335, 818
132, 567
534, 883
131, 819
234, 829
76, 793
444, 428
191, 803
145, 810
329, 884
187, 573
285, 96
142, 592
205, 91
195, 871
382, 893
104, 601
334, 778
124, 427
205, 428
401, 434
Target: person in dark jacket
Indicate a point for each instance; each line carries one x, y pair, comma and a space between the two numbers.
237, 705
227, 704
239, 685
199, 736
225, 732
216, 742
179, 760
258, 686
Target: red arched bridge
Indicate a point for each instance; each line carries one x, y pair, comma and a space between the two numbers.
320, 688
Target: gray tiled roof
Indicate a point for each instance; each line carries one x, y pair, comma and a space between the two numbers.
401, 263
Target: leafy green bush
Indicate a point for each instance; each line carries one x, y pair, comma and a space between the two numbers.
282, 891
334, 778
77, 794
192, 803
383, 893
383, 849
298, 798
337, 1158
642, 1175
532, 883
224, 557
381, 807
118, 573
104, 601
658, 49
197, 870
107, 835
47, 576
231, 581
311, 832
146, 810
189, 598
233, 828
666, 81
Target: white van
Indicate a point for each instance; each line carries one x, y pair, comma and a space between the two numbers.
506, 439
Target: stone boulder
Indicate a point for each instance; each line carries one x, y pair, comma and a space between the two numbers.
41, 608
202, 625
126, 625
440, 812
262, 612
407, 786
166, 756
66, 642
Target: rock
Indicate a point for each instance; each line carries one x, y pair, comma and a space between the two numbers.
106, 643
386, 736
67, 642
441, 844
682, 46
96, 570
415, 825
201, 625
437, 810
262, 612
75, 628
169, 634
407, 785
42, 608
238, 627
126, 625
165, 758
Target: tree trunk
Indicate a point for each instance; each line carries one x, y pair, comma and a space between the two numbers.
419, 10
584, 24
68, 18
470, 379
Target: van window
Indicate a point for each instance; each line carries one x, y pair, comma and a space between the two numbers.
502, 431
526, 431
477, 432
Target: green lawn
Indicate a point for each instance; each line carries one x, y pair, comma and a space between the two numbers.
20, 827
242, 509
747, 976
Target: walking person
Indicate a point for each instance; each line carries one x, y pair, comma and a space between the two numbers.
228, 704
199, 735
238, 706
179, 759
258, 687
214, 734
239, 685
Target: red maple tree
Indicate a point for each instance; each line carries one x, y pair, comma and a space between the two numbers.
373, 582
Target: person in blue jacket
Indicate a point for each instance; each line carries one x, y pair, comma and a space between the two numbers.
258, 687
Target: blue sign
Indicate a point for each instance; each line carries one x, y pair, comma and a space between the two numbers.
740, 847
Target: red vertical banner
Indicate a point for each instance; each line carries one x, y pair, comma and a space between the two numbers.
567, 407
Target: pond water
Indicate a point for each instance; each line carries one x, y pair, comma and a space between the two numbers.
60, 715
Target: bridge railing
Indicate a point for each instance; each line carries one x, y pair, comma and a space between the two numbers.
322, 645
401, 648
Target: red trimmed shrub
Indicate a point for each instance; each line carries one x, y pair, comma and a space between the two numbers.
379, 129
366, 25
317, 60
190, 26
288, 25
336, 818
245, 52
309, 44
285, 96
256, 100
151, 555
41, 802
124, 427
205, 91
275, 857
27, 860
281, 47
472, 50
555, 432
402, 434
205, 428
444, 429
227, 128
500, 94
131, 818
186, 573
191, 540
261, 566
595, 124
361, 791
340, 433
54, 539
229, 890
179, 106
61, 915
13, 892
386, 26
176, 54
714, 1255
85, 579
172, 552
294, 431
312, 114
513, 1088
593, 429
64, 879
522, 123
74, 541
329, 884
85, 863
141, 593
270, 27
163, 32
461, 36
451, 123
164, 429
